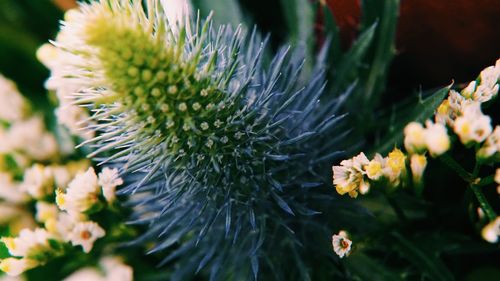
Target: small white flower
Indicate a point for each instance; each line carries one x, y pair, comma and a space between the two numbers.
109, 180
31, 137
468, 91
196, 106
45, 211
8, 212
395, 166
204, 126
115, 269
38, 181
15, 267
491, 146
85, 234
414, 140
10, 191
13, 106
81, 195
63, 224
375, 169
491, 231
485, 93
85, 274
29, 242
451, 108
182, 106
437, 140
489, 76
417, 164
341, 244
473, 125
209, 143
348, 177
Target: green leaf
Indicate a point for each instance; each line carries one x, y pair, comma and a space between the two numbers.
366, 268
347, 70
386, 13
429, 263
420, 112
333, 35
225, 11
300, 16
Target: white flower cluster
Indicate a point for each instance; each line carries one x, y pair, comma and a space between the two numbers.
432, 138
64, 222
27, 250
13, 106
82, 194
26, 137
357, 174
462, 113
82, 197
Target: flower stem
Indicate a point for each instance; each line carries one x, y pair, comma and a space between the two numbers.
455, 166
475, 183
476, 188
488, 210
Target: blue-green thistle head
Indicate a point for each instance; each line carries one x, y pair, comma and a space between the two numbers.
224, 145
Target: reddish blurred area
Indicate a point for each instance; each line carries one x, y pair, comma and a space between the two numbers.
65, 4
437, 40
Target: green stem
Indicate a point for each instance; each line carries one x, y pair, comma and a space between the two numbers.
488, 210
455, 166
475, 183
486, 181
476, 188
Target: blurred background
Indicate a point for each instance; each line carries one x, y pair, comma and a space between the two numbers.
436, 42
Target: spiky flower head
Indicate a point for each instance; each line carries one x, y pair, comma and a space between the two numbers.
226, 145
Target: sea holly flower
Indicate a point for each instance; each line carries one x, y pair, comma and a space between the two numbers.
215, 141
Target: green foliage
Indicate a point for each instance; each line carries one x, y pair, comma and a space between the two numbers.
409, 111
225, 11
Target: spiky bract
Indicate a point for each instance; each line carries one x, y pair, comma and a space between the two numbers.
224, 146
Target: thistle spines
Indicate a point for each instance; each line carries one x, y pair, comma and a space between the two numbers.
221, 143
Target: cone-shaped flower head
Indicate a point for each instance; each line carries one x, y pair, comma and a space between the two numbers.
226, 146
